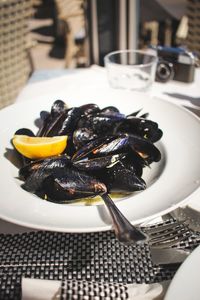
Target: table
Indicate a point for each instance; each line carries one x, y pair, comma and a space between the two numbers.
56, 255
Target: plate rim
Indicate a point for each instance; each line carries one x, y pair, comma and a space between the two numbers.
187, 264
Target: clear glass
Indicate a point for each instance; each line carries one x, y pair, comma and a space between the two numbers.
131, 69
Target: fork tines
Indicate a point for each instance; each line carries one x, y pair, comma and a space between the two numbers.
167, 234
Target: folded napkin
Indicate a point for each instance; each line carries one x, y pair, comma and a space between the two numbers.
38, 289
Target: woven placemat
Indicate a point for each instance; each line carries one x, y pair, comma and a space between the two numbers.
87, 256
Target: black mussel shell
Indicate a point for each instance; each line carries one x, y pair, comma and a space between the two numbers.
98, 162
51, 120
58, 108
35, 172
72, 184
119, 178
82, 136
106, 146
109, 110
88, 109
140, 126
101, 146
24, 131
145, 148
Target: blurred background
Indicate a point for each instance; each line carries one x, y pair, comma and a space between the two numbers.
59, 34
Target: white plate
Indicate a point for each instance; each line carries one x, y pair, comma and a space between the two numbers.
186, 284
171, 181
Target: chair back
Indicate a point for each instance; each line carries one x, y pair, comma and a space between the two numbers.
15, 64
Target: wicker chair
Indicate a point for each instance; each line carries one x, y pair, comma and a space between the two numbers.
15, 64
193, 36
71, 21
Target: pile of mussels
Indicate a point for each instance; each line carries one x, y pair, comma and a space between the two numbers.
106, 152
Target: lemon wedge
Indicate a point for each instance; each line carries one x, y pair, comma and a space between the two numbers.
39, 147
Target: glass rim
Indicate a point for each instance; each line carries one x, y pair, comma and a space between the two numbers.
143, 52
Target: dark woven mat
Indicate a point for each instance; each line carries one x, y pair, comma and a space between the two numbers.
87, 256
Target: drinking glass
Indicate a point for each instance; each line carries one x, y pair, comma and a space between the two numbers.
131, 69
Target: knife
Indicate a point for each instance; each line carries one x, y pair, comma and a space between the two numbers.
168, 256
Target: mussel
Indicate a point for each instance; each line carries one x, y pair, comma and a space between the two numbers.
36, 171
106, 151
58, 180
72, 184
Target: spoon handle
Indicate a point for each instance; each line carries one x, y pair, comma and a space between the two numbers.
124, 230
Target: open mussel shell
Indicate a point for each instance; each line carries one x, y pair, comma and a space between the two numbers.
101, 123
122, 175
59, 180
119, 178
140, 126
58, 108
35, 172
24, 131
50, 121
82, 136
145, 148
72, 184
102, 147
98, 163
88, 109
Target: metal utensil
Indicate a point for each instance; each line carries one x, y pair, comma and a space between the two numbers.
158, 236
190, 215
169, 256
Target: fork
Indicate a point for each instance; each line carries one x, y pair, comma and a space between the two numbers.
160, 236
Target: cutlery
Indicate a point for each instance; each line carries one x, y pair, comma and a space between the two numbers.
164, 235
190, 215
168, 256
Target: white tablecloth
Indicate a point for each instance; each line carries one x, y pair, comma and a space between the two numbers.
56, 83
